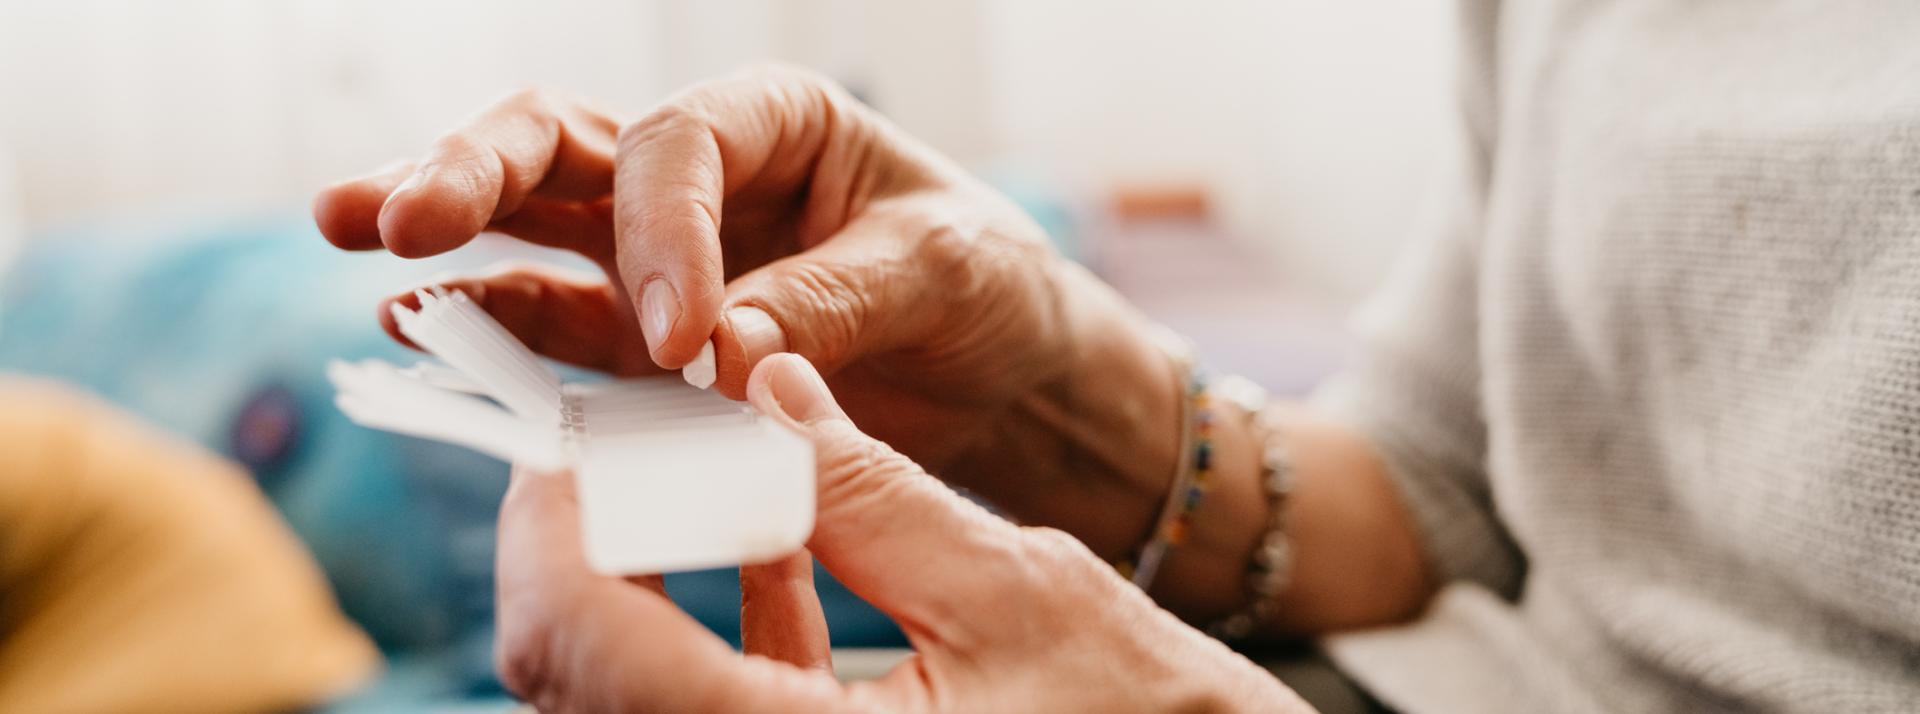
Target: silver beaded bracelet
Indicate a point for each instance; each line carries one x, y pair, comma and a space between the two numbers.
1272, 562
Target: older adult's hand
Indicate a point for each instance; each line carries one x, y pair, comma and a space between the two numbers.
1002, 618
771, 212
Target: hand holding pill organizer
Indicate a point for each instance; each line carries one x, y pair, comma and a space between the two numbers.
671, 476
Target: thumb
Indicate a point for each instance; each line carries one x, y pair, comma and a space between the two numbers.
894, 535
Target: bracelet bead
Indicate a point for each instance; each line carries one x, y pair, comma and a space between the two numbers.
1273, 555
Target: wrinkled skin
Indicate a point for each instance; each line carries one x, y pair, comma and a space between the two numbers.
770, 213
1001, 617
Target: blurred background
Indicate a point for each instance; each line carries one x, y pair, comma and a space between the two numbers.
1244, 171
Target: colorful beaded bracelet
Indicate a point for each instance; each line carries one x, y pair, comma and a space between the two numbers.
1190, 483
1272, 559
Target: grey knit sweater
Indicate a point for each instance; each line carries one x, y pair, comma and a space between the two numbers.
1652, 389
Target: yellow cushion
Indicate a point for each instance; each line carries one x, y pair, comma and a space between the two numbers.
140, 573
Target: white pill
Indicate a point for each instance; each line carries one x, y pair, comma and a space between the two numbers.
700, 372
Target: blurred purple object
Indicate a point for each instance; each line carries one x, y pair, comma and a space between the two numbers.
266, 431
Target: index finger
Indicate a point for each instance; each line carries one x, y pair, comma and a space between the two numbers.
479, 173
675, 169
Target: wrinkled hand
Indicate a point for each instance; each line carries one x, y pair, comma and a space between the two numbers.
1001, 618
770, 212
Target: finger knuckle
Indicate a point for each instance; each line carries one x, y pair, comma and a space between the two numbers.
537, 99
955, 258
696, 215
1055, 545
800, 96
458, 146
837, 306
783, 73
772, 93
855, 456
972, 254
682, 113
853, 464
991, 271
468, 161
1055, 555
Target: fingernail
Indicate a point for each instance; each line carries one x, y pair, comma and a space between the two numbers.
659, 309
413, 181
701, 371
758, 334
800, 391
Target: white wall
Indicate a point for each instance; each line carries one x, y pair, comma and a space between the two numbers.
12, 223
112, 104
1313, 120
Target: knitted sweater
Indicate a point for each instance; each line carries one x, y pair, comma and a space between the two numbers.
1652, 387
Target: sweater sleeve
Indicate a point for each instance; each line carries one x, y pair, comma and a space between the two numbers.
1413, 389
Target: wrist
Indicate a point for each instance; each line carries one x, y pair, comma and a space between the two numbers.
1106, 426
1353, 556
1129, 390
1204, 577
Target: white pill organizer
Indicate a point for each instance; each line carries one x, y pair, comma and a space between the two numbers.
671, 476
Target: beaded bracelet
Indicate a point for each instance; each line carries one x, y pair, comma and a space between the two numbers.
1273, 555
1190, 483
